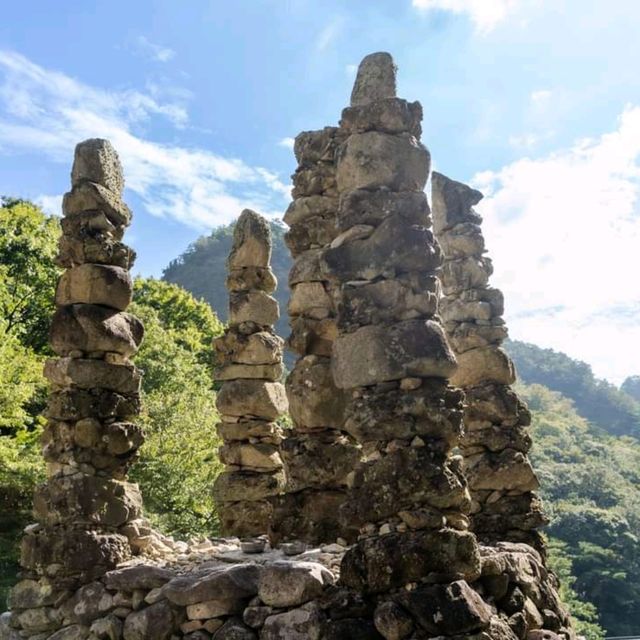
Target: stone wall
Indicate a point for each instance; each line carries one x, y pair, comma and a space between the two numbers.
251, 397
496, 442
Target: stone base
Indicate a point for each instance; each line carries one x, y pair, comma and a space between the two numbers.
214, 590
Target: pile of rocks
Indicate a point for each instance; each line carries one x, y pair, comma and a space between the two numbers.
496, 442
318, 455
251, 398
86, 508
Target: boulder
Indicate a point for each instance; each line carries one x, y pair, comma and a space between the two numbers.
256, 456
301, 209
392, 621
95, 284
245, 518
375, 80
73, 251
90, 328
263, 347
140, 576
319, 179
234, 629
315, 337
308, 267
74, 404
315, 232
375, 354
375, 160
310, 299
108, 628
271, 372
463, 240
311, 147
508, 470
465, 273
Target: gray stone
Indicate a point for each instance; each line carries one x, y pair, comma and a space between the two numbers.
95, 284
257, 398
234, 487
376, 79
393, 622
251, 242
289, 584
72, 632
95, 160
304, 623
235, 630
92, 328
91, 196
375, 160
236, 582
139, 576
390, 115
91, 373
483, 365
253, 306
155, 622
108, 628
452, 202
375, 354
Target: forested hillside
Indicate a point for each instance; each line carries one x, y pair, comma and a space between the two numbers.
201, 269
584, 449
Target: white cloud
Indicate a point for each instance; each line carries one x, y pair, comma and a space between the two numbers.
564, 232
50, 204
351, 70
541, 97
47, 112
287, 142
152, 50
328, 34
485, 14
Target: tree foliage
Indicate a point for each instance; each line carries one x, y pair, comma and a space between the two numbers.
597, 400
28, 243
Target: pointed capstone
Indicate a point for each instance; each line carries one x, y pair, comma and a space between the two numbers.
452, 202
251, 242
96, 160
376, 79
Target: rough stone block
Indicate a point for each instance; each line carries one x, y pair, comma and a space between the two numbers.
375, 160
251, 242
91, 196
95, 284
95, 160
389, 115
289, 584
301, 209
314, 400
236, 487
75, 251
310, 299
311, 147
263, 347
384, 563
257, 398
245, 278
452, 202
393, 248
375, 80
375, 354
76, 404
256, 456
483, 366
253, 306
89, 374
91, 328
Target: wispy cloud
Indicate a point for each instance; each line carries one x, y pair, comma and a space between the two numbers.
152, 50
564, 232
47, 112
329, 33
287, 142
485, 14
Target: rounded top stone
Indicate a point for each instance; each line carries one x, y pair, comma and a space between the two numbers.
251, 242
95, 160
375, 80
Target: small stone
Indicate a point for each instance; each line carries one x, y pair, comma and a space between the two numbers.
392, 621
304, 623
253, 546
294, 548
155, 622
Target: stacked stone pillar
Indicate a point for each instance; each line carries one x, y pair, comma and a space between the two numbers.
89, 442
318, 455
496, 442
407, 496
251, 398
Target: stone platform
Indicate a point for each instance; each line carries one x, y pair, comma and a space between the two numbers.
227, 590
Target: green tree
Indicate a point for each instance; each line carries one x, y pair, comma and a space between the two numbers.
631, 386
28, 274
178, 462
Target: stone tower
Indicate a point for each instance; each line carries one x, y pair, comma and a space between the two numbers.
318, 455
496, 442
89, 443
251, 398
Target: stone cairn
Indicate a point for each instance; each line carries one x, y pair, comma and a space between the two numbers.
84, 508
501, 479
415, 571
318, 455
251, 398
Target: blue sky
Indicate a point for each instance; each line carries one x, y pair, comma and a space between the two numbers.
537, 102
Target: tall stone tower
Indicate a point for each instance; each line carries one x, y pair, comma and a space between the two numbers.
496, 442
251, 398
89, 442
318, 455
